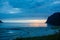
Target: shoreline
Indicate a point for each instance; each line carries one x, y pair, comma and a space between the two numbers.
49, 37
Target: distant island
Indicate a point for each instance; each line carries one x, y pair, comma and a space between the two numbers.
54, 19
1, 21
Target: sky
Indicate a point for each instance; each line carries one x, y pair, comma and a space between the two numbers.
30, 9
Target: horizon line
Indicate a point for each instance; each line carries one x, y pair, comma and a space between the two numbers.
25, 21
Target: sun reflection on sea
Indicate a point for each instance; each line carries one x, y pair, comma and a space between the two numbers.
38, 23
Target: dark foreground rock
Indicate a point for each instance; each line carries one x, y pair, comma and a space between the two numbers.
54, 19
1, 21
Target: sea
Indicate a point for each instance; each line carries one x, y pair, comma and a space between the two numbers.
11, 29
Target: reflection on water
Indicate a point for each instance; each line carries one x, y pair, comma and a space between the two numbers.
37, 25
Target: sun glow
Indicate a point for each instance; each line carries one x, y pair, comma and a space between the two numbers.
37, 23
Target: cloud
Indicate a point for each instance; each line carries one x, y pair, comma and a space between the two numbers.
7, 8
14, 10
39, 0
27, 3
56, 2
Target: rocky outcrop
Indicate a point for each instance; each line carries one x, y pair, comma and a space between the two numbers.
54, 19
1, 21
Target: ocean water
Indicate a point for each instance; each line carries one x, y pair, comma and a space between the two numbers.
10, 31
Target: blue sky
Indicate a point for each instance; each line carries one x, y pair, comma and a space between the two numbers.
28, 8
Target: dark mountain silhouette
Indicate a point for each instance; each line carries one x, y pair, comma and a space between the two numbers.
54, 19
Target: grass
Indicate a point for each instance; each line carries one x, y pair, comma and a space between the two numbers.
49, 37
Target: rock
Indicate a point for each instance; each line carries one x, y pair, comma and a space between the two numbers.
1, 21
54, 19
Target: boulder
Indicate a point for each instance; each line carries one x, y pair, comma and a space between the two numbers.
54, 19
